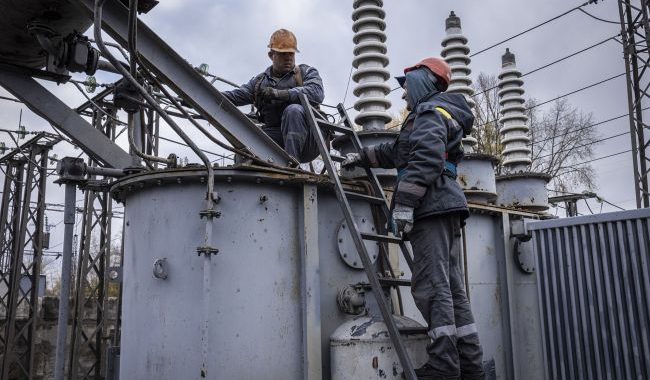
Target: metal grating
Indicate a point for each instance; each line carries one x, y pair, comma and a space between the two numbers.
594, 291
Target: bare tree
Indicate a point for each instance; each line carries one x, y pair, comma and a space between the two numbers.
561, 136
397, 121
486, 130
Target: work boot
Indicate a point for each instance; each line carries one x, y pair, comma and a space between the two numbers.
427, 372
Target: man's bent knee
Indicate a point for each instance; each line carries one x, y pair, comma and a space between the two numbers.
293, 110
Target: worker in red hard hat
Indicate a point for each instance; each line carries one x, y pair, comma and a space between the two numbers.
276, 95
430, 207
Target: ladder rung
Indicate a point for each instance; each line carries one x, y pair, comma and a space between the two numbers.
384, 238
334, 127
413, 330
389, 281
365, 197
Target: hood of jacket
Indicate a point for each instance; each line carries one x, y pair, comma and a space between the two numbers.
420, 86
457, 106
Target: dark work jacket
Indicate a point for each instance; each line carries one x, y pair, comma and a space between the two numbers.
271, 112
419, 156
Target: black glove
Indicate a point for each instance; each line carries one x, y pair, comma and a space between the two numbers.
270, 94
352, 160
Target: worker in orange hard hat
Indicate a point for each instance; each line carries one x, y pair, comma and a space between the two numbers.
275, 93
429, 206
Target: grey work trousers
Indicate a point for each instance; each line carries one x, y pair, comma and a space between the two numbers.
439, 292
294, 134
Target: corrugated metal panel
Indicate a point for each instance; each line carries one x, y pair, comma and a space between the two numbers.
594, 290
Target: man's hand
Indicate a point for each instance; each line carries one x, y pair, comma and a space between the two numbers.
403, 218
352, 160
270, 94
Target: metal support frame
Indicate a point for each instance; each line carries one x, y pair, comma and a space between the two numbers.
45, 104
508, 307
312, 367
91, 339
23, 224
175, 72
636, 48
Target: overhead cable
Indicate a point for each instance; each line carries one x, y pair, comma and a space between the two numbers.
205, 151
585, 127
589, 143
598, 158
560, 97
533, 28
553, 63
10, 99
598, 18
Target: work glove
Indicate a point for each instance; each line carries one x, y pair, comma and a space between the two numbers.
352, 160
270, 94
402, 218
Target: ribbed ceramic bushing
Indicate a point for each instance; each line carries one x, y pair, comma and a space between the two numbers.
370, 61
456, 52
514, 129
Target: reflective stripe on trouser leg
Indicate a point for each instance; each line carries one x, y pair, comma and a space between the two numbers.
431, 239
470, 353
466, 330
437, 332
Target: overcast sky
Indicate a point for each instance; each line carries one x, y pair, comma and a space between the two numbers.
231, 36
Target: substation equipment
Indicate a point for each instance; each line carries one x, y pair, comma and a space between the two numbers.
246, 270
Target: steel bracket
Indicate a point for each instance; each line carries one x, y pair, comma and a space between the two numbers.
206, 250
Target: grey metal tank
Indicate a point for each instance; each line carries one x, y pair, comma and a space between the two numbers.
362, 350
272, 303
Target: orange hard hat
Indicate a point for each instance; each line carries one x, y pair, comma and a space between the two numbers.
438, 67
283, 41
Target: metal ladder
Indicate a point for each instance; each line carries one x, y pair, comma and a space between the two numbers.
317, 123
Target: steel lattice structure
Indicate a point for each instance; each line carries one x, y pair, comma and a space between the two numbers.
22, 223
636, 47
90, 326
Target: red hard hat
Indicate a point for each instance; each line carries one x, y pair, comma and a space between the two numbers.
438, 66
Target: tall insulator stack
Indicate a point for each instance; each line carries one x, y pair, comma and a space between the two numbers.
370, 61
476, 171
514, 129
456, 52
518, 186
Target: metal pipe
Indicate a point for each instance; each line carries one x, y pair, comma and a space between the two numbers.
106, 172
149, 99
66, 269
106, 66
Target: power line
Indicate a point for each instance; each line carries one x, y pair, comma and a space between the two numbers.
561, 96
533, 28
598, 18
598, 159
10, 99
554, 62
598, 197
583, 128
203, 150
589, 143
